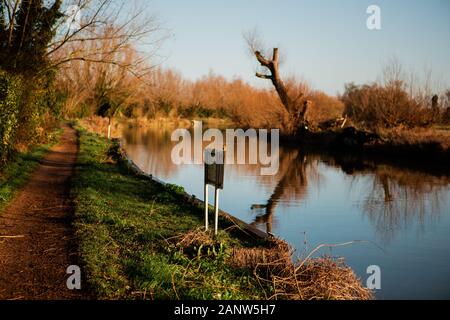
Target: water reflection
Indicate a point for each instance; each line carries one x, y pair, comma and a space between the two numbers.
296, 169
399, 198
151, 148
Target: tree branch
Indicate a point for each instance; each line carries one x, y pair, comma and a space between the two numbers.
264, 62
275, 56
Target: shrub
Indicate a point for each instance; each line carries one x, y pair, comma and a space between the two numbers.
324, 107
38, 112
10, 95
374, 106
28, 112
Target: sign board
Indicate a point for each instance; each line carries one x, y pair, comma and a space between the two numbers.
214, 173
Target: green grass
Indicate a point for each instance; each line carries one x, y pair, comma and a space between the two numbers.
17, 172
125, 224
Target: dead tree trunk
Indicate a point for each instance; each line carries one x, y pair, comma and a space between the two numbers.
295, 107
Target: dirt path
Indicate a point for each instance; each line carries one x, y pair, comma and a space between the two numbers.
34, 261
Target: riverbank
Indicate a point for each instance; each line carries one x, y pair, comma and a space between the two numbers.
422, 149
142, 240
128, 229
100, 125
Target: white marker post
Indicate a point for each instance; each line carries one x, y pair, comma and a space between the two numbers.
216, 211
214, 175
206, 208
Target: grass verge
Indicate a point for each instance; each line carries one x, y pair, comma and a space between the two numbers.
142, 240
130, 229
17, 172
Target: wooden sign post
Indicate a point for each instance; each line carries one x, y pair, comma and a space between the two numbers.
214, 176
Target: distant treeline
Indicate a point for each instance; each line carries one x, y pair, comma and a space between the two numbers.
165, 93
91, 88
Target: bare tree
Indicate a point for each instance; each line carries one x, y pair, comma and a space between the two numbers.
123, 23
106, 88
296, 105
84, 21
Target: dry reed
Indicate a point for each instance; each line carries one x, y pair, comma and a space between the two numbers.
310, 279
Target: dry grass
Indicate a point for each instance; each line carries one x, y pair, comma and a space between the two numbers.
318, 279
418, 136
310, 279
266, 260
194, 238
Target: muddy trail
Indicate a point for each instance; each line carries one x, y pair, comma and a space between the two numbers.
37, 241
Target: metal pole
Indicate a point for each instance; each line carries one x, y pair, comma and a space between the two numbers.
206, 208
216, 212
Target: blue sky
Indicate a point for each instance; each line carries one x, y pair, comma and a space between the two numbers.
326, 42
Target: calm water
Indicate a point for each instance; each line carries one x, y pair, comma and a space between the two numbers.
403, 215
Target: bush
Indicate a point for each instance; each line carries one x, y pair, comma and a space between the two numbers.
376, 106
28, 112
37, 113
10, 95
324, 108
